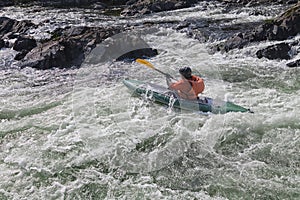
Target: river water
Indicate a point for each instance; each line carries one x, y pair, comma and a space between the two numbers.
80, 134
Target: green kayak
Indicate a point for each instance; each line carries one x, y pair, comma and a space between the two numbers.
162, 95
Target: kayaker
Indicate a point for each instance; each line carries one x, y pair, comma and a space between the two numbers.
189, 87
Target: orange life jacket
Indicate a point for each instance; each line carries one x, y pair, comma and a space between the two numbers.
189, 88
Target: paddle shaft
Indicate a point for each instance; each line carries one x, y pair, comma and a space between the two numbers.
148, 64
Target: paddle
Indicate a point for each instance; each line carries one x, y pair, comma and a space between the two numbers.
148, 64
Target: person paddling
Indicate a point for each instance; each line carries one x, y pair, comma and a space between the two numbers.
189, 87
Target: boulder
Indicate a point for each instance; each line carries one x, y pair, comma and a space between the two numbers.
68, 48
60, 54
277, 51
21, 55
138, 53
24, 43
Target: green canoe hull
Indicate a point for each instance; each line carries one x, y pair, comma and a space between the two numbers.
165, 96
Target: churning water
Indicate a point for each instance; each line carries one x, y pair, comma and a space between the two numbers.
80, 134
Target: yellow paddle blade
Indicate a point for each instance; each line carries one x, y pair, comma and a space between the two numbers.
145, 62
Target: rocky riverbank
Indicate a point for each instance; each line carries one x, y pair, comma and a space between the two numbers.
68, 46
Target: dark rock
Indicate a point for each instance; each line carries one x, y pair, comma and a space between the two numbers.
237, 41
281, 28
59, 54
6, 3
131, 2
66, 3
95, 4
295, 63
277, 51
2, 43
10, 28
68, 48
24, 43
148, 6
21, 55
125, 46
257, 2
138, 53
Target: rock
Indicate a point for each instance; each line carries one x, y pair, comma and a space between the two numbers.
125, 46
2, 43
281, 28
55, 54
68, 48
295, 63
277, 51
21, 55
149, 6
10, 28
66, 3
6, 3
24, 43
237, 41
139, 53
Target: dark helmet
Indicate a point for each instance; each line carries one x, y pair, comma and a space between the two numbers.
186, 72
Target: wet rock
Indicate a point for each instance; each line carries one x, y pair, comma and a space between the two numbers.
55, 54
288, 24
148, 6
21, 55
138, 53
281, 28
237, 41
66, 3
2, 43
68, 48
10, 28
6, 3
94, 4
295, 63
24, 43
277, 51
258, 2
